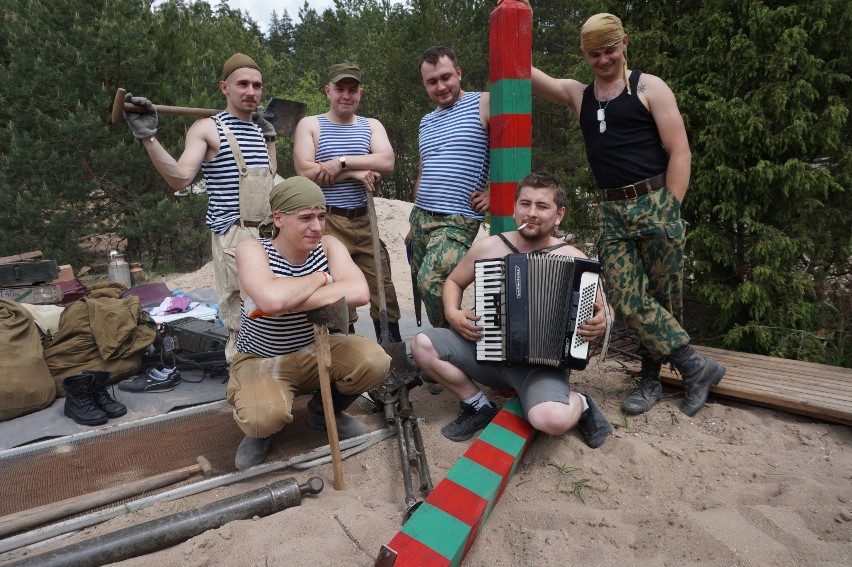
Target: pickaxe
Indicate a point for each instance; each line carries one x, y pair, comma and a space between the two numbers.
283, 114
336, 316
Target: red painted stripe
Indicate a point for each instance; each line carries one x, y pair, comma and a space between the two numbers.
510, 35
458, 502
511, 131
491, 457
513, 423
412, 553
503, 198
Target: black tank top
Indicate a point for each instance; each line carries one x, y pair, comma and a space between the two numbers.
630, 149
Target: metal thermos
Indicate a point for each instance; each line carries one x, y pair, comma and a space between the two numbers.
118, 269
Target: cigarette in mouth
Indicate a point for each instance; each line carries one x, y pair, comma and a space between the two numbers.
522, 226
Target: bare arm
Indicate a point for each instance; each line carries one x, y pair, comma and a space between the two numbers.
566, 92
661, 102
304, 148
481, 200
277, 295
202, 142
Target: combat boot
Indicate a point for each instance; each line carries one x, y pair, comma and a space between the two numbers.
648, 390
102, 397
347, 426
699, 374
251, 452
79, 402
394, 335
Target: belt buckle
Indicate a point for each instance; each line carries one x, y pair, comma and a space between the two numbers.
628, 190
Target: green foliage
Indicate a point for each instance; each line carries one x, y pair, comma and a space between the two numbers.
763, 86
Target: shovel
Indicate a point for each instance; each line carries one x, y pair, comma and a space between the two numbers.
395, 350
283, 114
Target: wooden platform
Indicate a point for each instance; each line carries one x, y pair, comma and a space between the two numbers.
815, 390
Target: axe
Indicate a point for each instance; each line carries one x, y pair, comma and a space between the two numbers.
283, 114
336, 316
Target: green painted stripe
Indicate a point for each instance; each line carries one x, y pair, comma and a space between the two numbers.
514, 406
511, 96
438, 531
503, 439
501, 224
476, 478
510, 164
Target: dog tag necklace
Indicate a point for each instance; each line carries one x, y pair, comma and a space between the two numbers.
602, 109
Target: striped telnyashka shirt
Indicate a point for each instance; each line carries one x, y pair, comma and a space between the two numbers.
454, 151
337, 140
283, 334
221, 175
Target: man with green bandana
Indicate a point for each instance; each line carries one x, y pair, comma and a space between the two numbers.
281, 278
639, 153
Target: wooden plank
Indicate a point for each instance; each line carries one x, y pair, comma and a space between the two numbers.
805, 388
34, 255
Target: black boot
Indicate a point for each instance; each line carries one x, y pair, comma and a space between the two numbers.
699, 374
79, 403
648, 390
251, 452
347, 426
393, 331
102, 397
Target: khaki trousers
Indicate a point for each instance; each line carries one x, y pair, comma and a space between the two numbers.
227, 282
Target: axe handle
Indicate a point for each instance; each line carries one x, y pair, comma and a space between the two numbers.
43, 514
323, 362
119, 105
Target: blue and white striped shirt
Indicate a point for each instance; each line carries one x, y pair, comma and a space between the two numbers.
221, 175
454, 151
337, 140
283, 334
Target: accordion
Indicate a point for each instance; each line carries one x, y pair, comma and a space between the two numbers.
530, 307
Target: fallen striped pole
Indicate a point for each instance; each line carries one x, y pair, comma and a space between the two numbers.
442, 529
510, 121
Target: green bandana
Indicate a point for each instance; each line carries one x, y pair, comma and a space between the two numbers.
295, 194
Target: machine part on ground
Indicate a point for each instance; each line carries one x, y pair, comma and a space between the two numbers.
352, 446
283, 114
53, 511
391, 397
396, 351
167, 531
336, 316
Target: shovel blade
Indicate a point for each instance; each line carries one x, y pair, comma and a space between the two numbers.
284, 115
334, 315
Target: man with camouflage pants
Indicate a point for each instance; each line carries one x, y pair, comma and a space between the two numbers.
639, 153
450, 196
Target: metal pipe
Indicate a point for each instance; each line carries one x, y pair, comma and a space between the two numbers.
170, 530
360, 443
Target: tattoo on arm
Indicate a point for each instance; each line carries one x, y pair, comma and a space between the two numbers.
641, 88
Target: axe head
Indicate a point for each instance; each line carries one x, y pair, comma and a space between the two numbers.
335, 315
284, 115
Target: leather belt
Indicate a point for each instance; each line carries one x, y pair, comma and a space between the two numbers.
635, 189
348, 213
433, 213
250, 223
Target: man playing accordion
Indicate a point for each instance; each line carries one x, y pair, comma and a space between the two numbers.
449, 355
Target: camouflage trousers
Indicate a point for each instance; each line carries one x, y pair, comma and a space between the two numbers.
438, 243
641, 253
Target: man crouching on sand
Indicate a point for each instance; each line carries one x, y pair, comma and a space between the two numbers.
449, 355
281, 278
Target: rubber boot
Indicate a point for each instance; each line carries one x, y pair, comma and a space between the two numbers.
393, 332
79, 403
102, 397
251, 452
648, 390
699, 374
347, 426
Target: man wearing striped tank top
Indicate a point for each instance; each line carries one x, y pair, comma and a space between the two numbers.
450, 196
346, 154
281, 278
237, 203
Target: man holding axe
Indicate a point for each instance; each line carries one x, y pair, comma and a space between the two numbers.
346, 154
296, 271
236, 151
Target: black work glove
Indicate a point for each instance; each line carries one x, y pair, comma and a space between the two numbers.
266, 127
143, 124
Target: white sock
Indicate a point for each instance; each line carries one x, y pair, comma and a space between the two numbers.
585, 401
479, 400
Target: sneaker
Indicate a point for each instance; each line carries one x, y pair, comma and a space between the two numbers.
594, 426
155, 379
469, 421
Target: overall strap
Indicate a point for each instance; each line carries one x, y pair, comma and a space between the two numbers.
507, 243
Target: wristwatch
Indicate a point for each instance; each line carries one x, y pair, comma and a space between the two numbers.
342, 160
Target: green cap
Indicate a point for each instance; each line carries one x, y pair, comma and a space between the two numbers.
344, 71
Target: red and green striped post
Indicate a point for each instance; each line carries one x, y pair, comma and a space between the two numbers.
510, 27
442, 529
